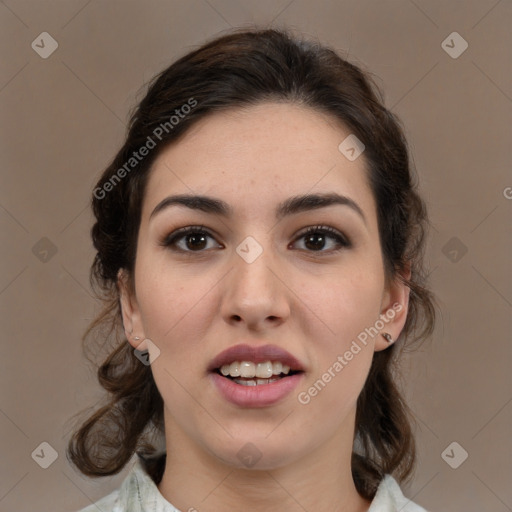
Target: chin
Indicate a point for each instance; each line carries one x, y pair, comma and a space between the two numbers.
257, 454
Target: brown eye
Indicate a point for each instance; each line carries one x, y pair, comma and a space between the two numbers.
315, 241
189, 239
323, 239
196, 241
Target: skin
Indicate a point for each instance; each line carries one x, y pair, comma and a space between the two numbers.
311, 302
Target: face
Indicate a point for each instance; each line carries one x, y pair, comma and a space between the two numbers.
249, 270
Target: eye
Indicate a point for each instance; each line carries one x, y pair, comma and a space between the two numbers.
195, 239
188, 239
323, 239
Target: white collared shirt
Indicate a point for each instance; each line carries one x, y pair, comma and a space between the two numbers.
139, 493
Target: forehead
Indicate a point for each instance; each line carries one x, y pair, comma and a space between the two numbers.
257, 156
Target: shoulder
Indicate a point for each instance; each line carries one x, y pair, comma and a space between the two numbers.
137, 493
389, 498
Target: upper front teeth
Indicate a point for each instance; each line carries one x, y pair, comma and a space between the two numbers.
249, 369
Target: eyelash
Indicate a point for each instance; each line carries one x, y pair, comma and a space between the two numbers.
170, 240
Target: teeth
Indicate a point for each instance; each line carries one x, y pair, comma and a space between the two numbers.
249, 369
234, 369
264, 370
254, 382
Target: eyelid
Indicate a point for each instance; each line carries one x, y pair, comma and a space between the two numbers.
323, 228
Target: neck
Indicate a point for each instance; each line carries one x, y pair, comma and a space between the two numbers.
194, 480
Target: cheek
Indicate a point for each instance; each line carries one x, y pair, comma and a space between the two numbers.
176, 308
346, 306
341, 360
164, 294
345, 302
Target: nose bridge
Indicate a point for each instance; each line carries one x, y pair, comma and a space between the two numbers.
254, 293
255, 271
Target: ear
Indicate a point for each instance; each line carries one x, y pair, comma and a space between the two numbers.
394, 308
130, 310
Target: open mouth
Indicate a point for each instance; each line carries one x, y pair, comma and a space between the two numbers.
246, 373
253, 377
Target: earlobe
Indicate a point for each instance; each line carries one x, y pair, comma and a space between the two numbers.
130, 312
394, 314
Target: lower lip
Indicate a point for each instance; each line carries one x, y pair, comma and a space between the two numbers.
255, 396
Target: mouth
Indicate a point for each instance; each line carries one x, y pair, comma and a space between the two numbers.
248, 373
252, 376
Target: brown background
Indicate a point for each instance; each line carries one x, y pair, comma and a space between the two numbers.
64, 117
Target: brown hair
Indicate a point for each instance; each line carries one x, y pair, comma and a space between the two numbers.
243, 68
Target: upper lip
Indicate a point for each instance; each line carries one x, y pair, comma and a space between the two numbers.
256, 354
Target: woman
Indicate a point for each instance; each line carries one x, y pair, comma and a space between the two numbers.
260, 240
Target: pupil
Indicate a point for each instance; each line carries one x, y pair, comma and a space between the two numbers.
192, 241
317, 239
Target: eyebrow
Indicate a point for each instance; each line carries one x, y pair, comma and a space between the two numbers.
290, 206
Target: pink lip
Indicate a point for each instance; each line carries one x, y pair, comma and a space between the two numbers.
260, 395
244, 352
255, 396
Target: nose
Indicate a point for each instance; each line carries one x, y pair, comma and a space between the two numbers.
255, 294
